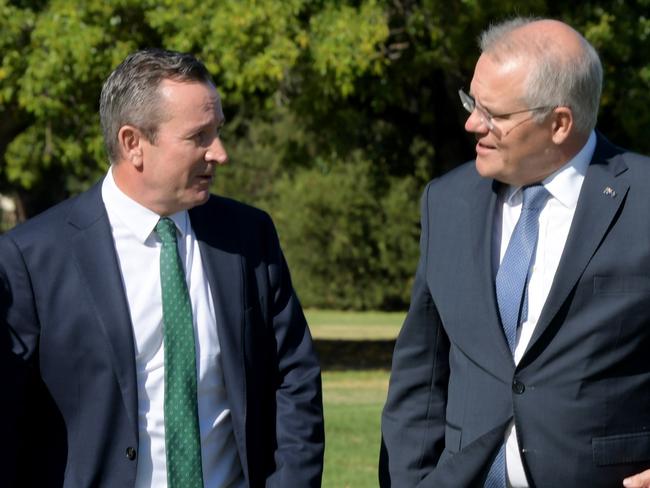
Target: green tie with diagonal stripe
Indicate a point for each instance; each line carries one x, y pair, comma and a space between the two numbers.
182, 436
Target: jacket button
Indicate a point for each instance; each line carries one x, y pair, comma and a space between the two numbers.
518, 387
130, 453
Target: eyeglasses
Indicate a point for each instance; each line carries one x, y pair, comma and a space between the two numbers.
487, 118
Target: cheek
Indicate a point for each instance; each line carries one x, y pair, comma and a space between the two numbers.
517, 149
529, 151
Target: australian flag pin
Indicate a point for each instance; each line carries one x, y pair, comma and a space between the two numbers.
609, 191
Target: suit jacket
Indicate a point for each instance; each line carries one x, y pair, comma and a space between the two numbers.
580, 396
67, 361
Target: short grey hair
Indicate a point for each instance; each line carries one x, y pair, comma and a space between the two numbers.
130, 94
556, 79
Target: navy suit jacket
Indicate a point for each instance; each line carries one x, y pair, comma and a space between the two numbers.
580, 397
67, 362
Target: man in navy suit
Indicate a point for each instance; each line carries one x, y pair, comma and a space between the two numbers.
83, 363
562, 397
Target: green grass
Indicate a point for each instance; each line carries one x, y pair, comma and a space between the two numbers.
353, 401
336, 324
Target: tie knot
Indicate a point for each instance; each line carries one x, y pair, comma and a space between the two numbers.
166, 230
534, 196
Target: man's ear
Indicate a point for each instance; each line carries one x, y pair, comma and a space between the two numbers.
562, 124
130, 141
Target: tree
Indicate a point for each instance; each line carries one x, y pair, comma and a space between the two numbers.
339, 110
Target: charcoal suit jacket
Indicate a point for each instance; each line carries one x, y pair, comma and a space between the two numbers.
580, 396
67, 364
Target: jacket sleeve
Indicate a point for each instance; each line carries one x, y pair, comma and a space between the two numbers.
299, 408
19, 380
413, 419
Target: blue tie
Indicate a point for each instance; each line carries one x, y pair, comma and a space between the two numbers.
512, 296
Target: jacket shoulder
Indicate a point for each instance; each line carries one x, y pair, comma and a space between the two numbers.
456, 183
229, 213
234, 226
50, 223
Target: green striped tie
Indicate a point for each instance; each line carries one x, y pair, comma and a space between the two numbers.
182, 437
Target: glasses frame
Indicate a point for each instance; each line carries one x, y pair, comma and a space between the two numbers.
469, 104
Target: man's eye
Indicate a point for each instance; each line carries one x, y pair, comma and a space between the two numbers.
201, 136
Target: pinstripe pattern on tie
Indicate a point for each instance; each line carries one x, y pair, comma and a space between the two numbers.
511, 291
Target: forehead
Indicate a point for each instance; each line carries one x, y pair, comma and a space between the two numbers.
189, 100
499, 82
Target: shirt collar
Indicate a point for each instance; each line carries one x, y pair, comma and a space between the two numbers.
565, 183
138, 219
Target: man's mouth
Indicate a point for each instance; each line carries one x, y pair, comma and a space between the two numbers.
483, 149
484, 145
205, 178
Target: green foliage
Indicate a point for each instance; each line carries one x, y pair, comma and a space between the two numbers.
273, 146
66, 50
355, 249
620, 31
250, 46
339, 111
342, 54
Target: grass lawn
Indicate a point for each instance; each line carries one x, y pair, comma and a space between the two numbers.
336, 324
353, 401
352, 398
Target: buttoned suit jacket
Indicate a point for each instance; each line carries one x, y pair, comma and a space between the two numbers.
67, 362
580, 396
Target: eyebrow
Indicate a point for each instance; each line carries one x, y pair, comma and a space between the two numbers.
480, 104
476, 102
199, 128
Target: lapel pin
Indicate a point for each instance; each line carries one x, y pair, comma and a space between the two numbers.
609, 191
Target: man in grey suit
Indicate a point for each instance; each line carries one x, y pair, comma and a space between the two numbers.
523, 360
149, 333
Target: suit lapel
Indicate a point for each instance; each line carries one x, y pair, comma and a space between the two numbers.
602, 194
94, 252
223, 267
482, 212
224, 272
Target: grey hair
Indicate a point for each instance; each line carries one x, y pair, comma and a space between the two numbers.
556, 78
130, 94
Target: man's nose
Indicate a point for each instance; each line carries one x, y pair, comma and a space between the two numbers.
476, 124
217, 152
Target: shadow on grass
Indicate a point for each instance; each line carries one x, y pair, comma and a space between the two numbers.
341, 354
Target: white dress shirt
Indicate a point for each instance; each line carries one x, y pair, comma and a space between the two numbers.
554, 223
138, 253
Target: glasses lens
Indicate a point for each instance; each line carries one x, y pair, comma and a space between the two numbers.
470, 105
466, 100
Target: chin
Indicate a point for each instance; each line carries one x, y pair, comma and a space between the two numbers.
194, 200
202, 197
485, 168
